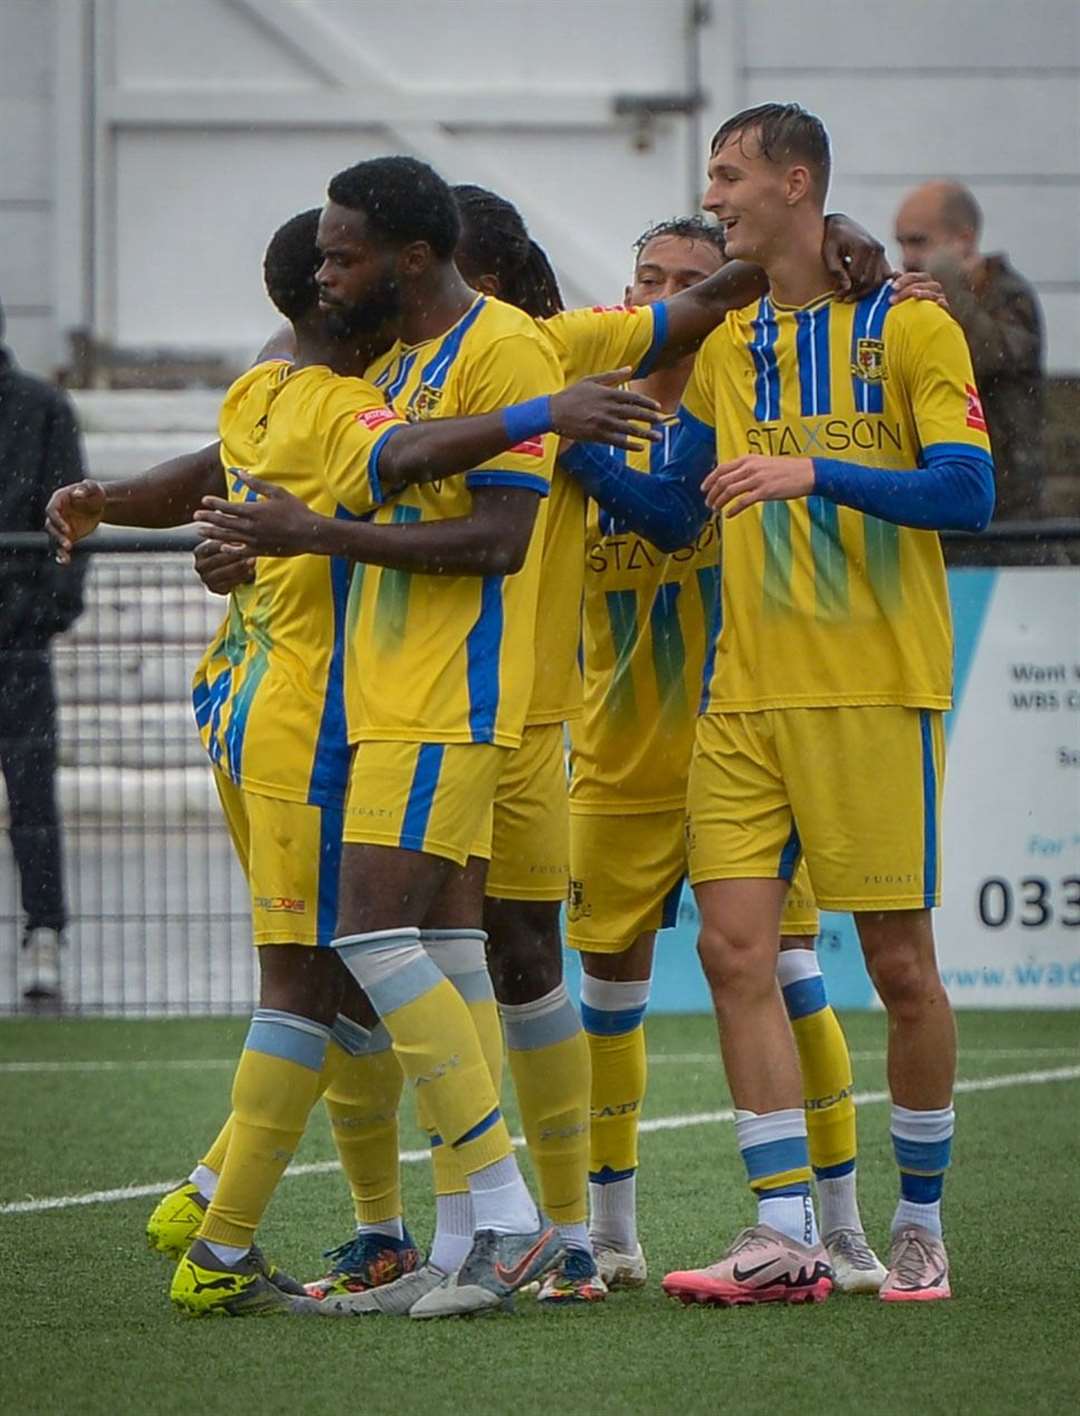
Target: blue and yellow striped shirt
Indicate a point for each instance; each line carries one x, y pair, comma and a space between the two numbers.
650, 621
823, 604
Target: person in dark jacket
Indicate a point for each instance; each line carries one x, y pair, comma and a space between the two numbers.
937, 229
39, 451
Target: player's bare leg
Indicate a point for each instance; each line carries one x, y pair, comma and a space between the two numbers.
740, 926
828, 1094
899, 949
549, 1060
615, 994
780, 1258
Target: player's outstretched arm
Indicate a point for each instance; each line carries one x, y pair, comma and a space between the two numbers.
164, 495
855, 260
954, 491
665, 506
492, 540
596, 409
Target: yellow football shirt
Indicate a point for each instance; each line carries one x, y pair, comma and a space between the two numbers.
585, 342
268, 693
650, 620
444, 658
822, 604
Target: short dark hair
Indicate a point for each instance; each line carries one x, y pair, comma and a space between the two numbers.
403, 199
495, 241
686, 228
959, 209
785, 132
290, 263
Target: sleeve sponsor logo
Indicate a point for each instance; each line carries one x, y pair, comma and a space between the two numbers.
976, 418
373, 418
531, 447
606, 309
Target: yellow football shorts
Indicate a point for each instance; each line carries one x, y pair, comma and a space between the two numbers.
433, 797
290, 853
855, 790
626, 876
530, 830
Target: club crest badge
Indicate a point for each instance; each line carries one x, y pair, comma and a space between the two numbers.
576, 908
869, 362
424, 403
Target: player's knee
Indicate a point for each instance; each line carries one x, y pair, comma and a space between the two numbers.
905, 976
736, 963
299, 979
524, 950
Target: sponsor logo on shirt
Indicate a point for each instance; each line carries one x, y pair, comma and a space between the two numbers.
531, 447
976, 418
825, 436
869, 362
375, 417
604, 309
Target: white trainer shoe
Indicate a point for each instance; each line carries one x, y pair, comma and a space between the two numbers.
619, 1270
392, 1299
41, 965
856, 1268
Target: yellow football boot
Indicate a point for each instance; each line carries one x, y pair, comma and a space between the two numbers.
175, 1221
204, 1287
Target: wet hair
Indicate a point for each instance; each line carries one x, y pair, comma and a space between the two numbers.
786, 132
290, 263
959, 209
686, 228
403, 199
495, 241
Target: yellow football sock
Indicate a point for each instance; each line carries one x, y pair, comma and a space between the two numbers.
828, 1089
435, 1040
214, 1159
276, 1085
549, 1061
459, 956
614, 1017
362, 1104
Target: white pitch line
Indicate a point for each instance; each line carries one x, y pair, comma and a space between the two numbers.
196, 1064
413, 1157
879, 1056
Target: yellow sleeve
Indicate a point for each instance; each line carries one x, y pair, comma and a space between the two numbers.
938, 377
698, 396
352, 422
595, 341
510, 370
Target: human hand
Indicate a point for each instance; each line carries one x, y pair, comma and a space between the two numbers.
918, 285
72, 513
598, 409
223, 568
733, 486
278, 524
855, 260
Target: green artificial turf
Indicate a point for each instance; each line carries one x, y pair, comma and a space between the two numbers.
87, 1326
